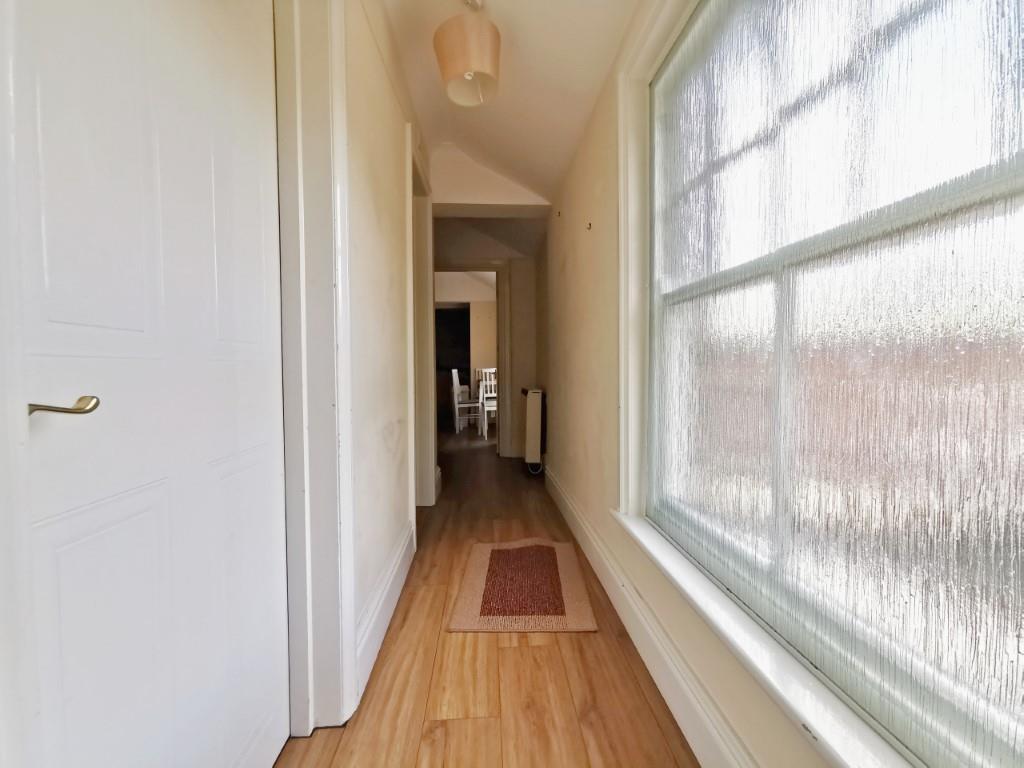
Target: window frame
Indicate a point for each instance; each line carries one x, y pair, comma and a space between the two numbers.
832, 722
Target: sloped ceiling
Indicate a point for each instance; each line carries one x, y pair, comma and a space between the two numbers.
555, 57
460, 186
487, 278
459, 287
524, 236
459, 241
470, 244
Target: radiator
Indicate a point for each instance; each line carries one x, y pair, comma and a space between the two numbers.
534, 448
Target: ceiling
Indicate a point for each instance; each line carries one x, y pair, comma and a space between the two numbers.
524, 236
555, 56
469, 243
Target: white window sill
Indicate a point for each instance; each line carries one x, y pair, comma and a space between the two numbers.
843, 737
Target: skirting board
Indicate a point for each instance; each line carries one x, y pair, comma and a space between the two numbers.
712, 738
373, 624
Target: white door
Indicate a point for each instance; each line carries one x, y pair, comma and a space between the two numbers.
145, 241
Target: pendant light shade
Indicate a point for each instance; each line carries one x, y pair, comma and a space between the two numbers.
468, 48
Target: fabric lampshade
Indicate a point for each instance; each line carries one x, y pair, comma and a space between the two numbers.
468, 49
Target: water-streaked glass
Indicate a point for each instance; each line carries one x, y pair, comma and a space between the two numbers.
837, 422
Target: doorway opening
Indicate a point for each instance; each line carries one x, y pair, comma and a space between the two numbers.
467, 370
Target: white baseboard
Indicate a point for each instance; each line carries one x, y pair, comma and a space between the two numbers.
373, 623
712, 738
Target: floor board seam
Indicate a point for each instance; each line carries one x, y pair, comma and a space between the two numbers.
572, 698
430, 683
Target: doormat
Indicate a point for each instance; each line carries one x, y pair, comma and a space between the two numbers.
532, 585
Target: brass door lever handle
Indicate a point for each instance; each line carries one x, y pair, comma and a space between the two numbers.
84, 404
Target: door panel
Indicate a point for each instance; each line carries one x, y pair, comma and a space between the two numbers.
146, 177
92, 142
93, 567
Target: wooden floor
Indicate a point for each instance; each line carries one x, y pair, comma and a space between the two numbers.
437, 698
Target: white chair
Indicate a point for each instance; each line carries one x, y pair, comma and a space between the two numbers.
464, 409
481, 372
478, 373
487, 397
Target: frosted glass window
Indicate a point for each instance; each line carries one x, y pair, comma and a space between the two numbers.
836, 397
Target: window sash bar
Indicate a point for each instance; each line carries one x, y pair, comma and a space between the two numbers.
987, 184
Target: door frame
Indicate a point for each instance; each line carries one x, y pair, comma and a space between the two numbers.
417, 189
18, 696
503, 295
316, 356
324, 650
427, 474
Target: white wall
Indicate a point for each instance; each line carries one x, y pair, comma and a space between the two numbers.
378, 196
483, 336
580, 373
523, 332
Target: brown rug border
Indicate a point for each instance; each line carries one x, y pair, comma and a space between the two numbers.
579, 614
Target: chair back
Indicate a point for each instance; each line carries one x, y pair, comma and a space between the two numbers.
460, 392
488, 384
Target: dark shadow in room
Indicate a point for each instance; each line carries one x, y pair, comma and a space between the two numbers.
451, 332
